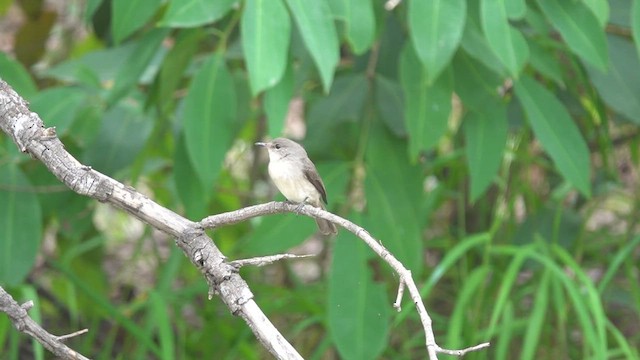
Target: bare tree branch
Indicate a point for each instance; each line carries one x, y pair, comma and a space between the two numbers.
21, 321
28, 132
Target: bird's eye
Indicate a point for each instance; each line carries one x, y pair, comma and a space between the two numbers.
277, 146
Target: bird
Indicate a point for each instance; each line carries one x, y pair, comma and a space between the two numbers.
297, 178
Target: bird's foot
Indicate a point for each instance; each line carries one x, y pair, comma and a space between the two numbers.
300, 205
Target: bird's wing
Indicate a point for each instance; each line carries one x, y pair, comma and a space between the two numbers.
311, 173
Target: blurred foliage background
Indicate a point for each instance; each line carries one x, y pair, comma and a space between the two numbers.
491, 145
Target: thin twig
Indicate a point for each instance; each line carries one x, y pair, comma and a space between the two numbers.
464, 351
397, 305
73, 334
265, 260
391, 4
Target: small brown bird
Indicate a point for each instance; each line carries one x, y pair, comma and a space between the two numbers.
297, 177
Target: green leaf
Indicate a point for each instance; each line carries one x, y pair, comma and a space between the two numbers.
480, 85
124, 131
129, 15
91, 8
427, 107
599, 8
276, 103
390, 104
459, 321
158, 315
278, 233
516, 9
394, 190
173, 68
357, 307
476, 45
557, 132
580, 30
344, 103
95, 67
545, 62
136, 64
620, 86
188, 185
319, 34
193, 13
17, 76
507, 43
536, 318
58, 106
209, 118
20, 225
359, 21
436, 29
485, 135
266, 32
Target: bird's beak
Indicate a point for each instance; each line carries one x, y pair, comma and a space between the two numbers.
261, 144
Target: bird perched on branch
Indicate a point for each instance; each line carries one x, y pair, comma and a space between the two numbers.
297, 177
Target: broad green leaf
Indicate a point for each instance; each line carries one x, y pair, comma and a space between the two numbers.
124, 131
507, 43
635, 24
129, 75
357, 307
390, 104
266, 32
538, 23
173, 68
278, 233
544, 61
20, 225
188, 184
557, 132
599, 8
359, 22
476, 45
192, 13
95, 67
319, 35
515, 8
129, 15
580, 30
393, 188
276, 103
58, 106
620, 86
344, 103
480, 85
17, 76
209, 118
91, 8
427, 107
485, 135
436, 29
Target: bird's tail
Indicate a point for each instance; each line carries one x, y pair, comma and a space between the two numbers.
326, 227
